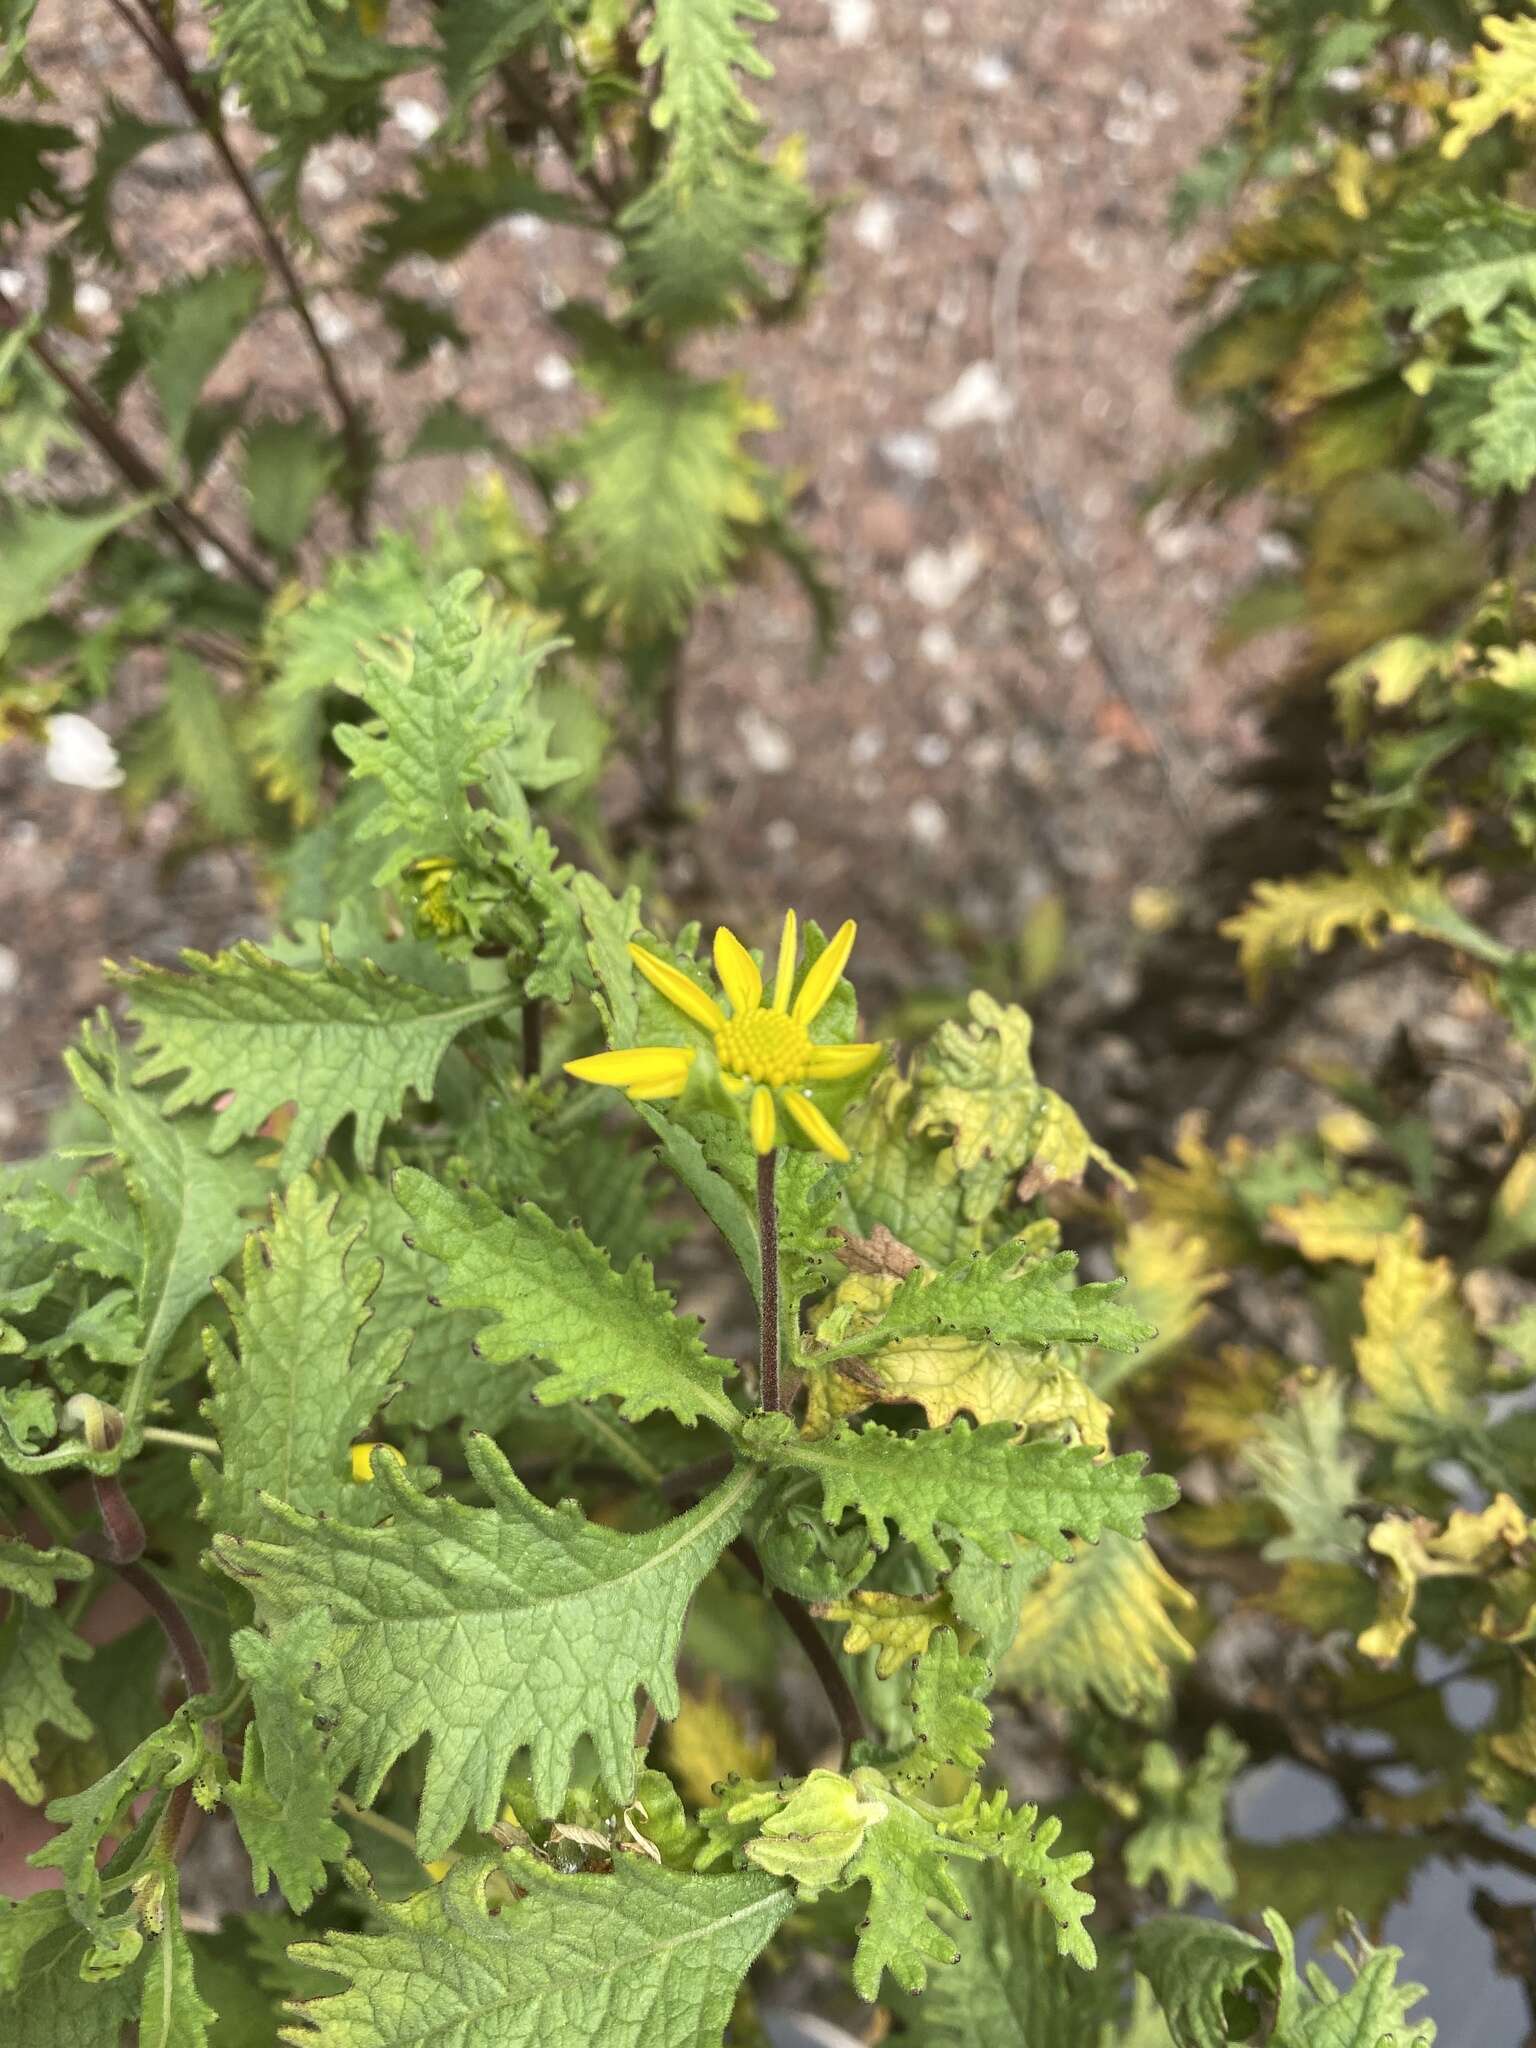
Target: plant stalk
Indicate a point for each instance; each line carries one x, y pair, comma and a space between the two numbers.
768, 1246
818, 1651
204, 109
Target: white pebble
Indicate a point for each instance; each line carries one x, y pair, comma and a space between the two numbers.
417, 119
977, 397
874, 226
767, 745
990, 74
931, 749
852, 21
553, 372
782, 836
91, 302
913, 454
867, 745
10, 971
926, 821
936, 643
938, 577
80, 754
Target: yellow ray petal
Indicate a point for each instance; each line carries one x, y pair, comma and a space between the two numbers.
680, 992
738, 973
815, 1125
789, 946
823, 977
657, 1091
644, 1066
763, 1123
837, 1062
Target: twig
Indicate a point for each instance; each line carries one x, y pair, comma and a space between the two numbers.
389, 1828
850, 1721
768, 1243
205, 111
179, 519
533, 1037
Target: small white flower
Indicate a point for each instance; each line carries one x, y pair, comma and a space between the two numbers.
80, 754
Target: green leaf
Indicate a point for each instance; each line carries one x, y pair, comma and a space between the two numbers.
1181, 1835
265, 49
668, 488
555, 1296
1009, 1984
1504, 436
40, 549
178, 335
1011, 1295
287, 1402
34, 1574
15, 20
458, 200
1305, 1469
189, 745
977, 1087
1373, 2010
289, 467
29, 184
492, 1629
644, 1958
907, 1184
446, 700
163, 1760
1457, 254
284, 1800
44, 1999
34, 1691
1206, 1978
1099, 1628
121, 140
172, 2015
950, 1720
348, 1040
477, 34
978, 1482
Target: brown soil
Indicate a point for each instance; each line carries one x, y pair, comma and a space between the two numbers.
1020, 703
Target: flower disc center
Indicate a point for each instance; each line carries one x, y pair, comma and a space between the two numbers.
764, 1045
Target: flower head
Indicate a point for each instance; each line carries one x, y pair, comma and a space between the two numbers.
763, 1049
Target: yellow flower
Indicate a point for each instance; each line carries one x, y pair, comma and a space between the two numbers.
762, 1047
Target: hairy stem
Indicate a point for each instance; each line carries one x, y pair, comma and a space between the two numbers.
120, 1522
768, 1246
179, 520
179, 1632
391, 1829
181, 1439
533, 1037
204, 109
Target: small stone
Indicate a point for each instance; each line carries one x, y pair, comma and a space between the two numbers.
989, 73
553, 372
978, 397
931, 749
886, 526
926, 821
937, 645
417, 119
768, 747
914, 454
852, 21
10, 971
874, 226
938, 577
92, 302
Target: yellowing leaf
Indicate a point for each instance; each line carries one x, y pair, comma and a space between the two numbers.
1309, 911
1503, 80
1100, 1627
706, 1744
1391, 673
1347, 1223
1194, 1192
1169, 1275
1469, 1545
1418, 1354
899, 1625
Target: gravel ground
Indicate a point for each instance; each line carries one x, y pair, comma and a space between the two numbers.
1020, 704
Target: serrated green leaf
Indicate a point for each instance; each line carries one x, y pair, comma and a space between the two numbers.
644, 1958
29, 184
284, 1800
1282, 919
41, 548
265, 49
178, 335
288, 1400
121, 140
950, 1721
172, 2014
555, 1296
44, 1999
668, 486
1011, 1295
35, 1691
458, 199
1458, 254
1009, 1984
477, 34
907, 1184
349, 1040
190, 744
289, 467
492, 1629
1181, 1834
34, 1574
1202, 1973
1503, 79
1374, 2009
979, 1482
1307, 1471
